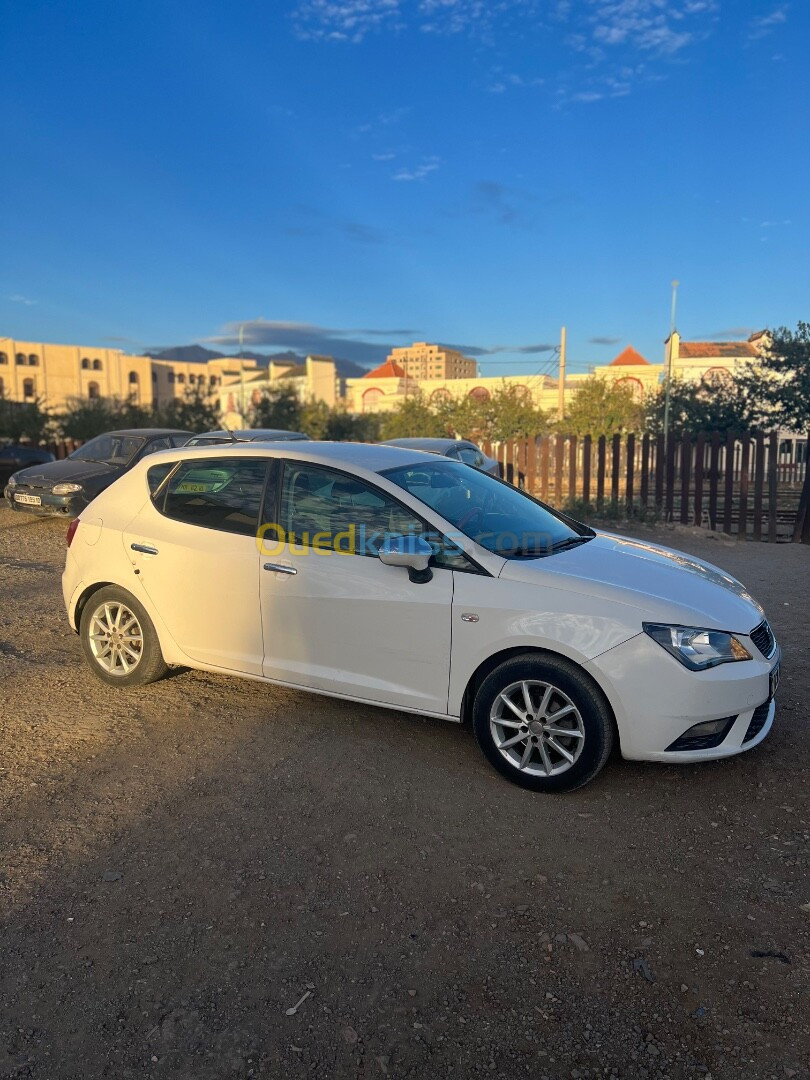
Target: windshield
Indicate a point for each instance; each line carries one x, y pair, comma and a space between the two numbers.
495, 515
109, 449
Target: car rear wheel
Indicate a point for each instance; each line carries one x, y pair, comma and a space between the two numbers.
119, 639
542, 723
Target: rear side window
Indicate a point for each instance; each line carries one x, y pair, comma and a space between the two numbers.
157, 474
470, 456
219, 493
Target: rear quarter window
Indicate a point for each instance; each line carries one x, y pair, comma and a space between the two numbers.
220, 493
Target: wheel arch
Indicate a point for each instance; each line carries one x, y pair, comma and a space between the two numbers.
84, 599
486, 667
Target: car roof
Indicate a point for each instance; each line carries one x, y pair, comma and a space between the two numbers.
435, 446
252, 434
374, 457
148, 432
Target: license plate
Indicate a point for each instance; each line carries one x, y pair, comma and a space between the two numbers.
29, 500
774, 680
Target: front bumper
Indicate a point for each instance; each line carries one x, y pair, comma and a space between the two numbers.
67, 506
655, 700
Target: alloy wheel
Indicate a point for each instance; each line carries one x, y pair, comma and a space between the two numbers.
537, 728
116, 638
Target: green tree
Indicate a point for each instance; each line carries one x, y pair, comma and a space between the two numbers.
25, 420
278, 407
83, 420
196, 411
414, 417
701, 406
509, 413
602, 406
780, 381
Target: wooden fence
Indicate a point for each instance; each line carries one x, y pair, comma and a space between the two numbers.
735, 484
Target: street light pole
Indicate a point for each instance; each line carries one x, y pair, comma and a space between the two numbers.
668, 377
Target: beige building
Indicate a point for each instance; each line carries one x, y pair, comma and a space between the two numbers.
61, 373
424, 361
314, 380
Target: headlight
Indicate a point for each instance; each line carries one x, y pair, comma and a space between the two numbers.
695, 648
12, 483
65, 489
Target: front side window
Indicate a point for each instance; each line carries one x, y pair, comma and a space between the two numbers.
330, 511
218, 493
110, 449
499, 517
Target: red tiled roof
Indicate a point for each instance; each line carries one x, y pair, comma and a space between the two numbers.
629, 358
388, 370
700, 349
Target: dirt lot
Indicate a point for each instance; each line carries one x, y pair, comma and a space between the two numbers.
180, 865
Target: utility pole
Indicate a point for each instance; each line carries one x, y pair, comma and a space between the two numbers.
561, 388
242, 374
668, 377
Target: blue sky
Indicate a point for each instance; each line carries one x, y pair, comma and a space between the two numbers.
346, 175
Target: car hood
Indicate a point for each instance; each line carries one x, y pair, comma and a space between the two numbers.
664, 584
67, 470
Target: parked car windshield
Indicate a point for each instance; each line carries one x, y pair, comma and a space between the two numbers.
109, 449
495, 515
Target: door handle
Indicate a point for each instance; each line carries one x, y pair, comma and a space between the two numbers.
145, 548
277, 568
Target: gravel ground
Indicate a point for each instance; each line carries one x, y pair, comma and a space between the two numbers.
181, 865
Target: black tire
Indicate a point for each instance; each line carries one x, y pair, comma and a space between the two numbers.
594, 721
150, 665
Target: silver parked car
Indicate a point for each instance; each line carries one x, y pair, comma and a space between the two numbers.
455, 449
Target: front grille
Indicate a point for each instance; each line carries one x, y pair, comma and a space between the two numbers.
762, 637
758, 720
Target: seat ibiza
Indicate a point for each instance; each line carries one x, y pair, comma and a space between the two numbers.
401, 579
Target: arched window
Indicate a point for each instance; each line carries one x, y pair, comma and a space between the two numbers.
3, 358
170, 376
212, 380
371, 398
96, 365
636, 386
86, 363
20, 358
181, 378
133, 378
442, 394
92, 390
33, 360
479, 393
28, 388
717, 377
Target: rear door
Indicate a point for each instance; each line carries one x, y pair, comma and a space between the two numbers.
195, 549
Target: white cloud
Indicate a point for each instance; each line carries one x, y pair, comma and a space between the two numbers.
765, 24
418, 172
18, 298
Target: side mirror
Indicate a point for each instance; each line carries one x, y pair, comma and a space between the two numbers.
410, 551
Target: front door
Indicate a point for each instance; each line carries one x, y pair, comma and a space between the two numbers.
195, 549
334, 617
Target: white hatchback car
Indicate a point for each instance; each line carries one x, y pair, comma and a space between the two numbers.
400, 579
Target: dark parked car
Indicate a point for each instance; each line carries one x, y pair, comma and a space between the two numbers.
217, 438
456, 449
67, 486
14, 457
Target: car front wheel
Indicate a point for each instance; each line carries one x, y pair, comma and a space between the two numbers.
542, 723
119, 640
